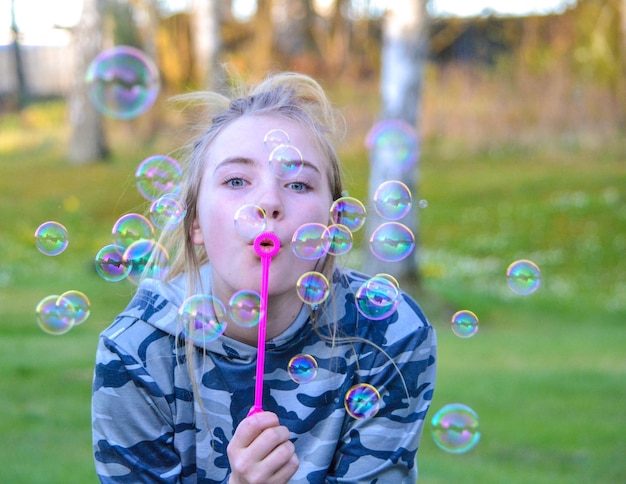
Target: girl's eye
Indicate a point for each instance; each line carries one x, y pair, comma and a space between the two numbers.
235, 182
299, 186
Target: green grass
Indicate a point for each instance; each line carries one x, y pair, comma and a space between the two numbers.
546, 373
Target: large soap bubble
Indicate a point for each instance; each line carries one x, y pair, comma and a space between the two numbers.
455, 428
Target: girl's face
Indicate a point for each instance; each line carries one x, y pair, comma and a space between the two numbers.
237, 173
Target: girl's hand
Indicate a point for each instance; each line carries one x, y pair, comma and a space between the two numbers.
261, 452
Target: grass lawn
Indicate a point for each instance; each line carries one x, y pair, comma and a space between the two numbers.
546, 373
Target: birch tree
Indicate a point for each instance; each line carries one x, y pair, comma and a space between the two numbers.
207, 43
403, 61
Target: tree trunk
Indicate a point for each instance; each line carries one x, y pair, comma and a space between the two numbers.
402, 67
23, 94
207, 43
87, 141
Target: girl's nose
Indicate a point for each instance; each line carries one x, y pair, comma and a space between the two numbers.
271, 201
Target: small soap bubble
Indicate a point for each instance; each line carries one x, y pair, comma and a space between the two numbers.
348, 211
122, 82
275, 138
130, 228
54, 315
392, 200
202, 318
244, 308
158, 175
302, 368
464, 324
393, 143
422, 203
146, 258
167, 212
362, 401
51, 238
340, 239
311, 241
523, 277
313, 288
286, 161
78, 303
392, 242
250, 221
110, 264
455, 428
378, 297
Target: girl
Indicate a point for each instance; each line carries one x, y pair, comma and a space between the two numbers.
168, 407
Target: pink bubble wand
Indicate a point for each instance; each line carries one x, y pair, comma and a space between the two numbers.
266, 245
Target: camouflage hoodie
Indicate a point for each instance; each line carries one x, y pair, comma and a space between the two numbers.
149, 427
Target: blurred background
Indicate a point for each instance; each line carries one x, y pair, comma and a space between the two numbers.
518, 110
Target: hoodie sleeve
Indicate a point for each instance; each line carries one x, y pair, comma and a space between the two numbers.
132, 422
383, 448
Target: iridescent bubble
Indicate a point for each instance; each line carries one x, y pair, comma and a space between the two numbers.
167, 212
422, 203
348, 211
51, 238
244, 308
392, 200
340, 239
158, 175
146, 258
455, 428
54, 318
202, 318
110, 264
392, 242
313, 288
275, 138
464, 323
377, 298
311, 241
130, 228
78, 303
122, 82
523, 277
286, 161
250, 221
302, 368
393, 143
362, 401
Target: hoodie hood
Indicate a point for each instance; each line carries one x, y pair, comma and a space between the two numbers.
157, 303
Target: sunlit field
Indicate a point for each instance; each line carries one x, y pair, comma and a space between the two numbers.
545, 372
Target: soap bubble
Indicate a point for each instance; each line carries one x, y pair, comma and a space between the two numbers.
362, 401
78, 303
313, 288
286, 161
455, 428
167, 211
146, 258
340, 239
393, 143
275, 138
202, 318
131, 228
392, 200
378, 297
158, 175
55, 315
244, 308
392, 242
423, 203
348, 211
250, 221
122, 82
523, 277
51, 238
464, 324
311, 241
302, 368
110, 264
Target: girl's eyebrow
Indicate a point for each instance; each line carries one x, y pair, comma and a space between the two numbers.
241, 160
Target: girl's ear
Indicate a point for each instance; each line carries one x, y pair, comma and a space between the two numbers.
196, 233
